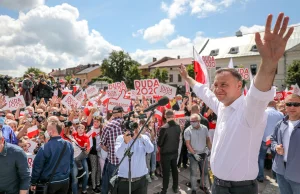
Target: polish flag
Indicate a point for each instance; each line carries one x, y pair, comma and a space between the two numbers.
105, 99
32, 132
75, 88
66, 92
179, 114
128, 95
200, 69
92, 133
268, 140
230, 65
159, 112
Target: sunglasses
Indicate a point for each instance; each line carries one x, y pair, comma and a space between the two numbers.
295, 104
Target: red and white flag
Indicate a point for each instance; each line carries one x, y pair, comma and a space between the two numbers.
268, 140
245, 90
200, 69
159, 113
66, 92
32, 131
105, 99
179, 114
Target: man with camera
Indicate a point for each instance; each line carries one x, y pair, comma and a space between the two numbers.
108, 139
197, 138
53, 163
44, 90
141, 147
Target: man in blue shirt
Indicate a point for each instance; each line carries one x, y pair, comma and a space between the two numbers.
14, 170
7, 131
139, 170
274, 117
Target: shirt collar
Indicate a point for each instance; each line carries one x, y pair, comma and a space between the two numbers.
237, 102
4, 151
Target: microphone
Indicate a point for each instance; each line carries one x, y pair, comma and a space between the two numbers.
128, 114
161, 102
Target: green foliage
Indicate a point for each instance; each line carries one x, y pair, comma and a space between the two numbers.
190, 70
68, 78
134, 73
244, 83
120, 67
161, 74
103, 78
34, 70
293, 73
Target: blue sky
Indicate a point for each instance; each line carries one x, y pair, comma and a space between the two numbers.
117, 21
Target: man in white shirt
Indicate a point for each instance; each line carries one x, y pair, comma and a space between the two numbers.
241, 120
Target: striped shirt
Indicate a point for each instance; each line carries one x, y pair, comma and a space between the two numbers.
108, 138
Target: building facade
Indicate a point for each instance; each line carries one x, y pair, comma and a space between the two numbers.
87, 74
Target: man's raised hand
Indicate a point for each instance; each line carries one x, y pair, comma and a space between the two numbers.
272, 46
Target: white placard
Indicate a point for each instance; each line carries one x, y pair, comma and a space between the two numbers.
244, 73
120, 101
30, 158
167, 90
146, 87
70, 100
91, 91
80, 96
14, 103
31, 145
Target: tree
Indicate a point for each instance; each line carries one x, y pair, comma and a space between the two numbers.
161, 75
134, 73
68, 78
117, 66
103, 78
190, 70
293, 73
34, 70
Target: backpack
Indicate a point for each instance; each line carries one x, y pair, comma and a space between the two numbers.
27, 84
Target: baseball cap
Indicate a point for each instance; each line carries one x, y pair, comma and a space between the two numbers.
117, 109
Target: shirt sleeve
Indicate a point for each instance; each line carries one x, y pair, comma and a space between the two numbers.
149, 148
205, 94
38, 164
120, 147
187, 135
23, 170
161, 137
256, 103
104, 137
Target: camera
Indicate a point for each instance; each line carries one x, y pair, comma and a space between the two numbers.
56, 114
68, 123
38, 118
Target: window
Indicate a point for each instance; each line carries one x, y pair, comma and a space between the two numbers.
171, 78
179, 78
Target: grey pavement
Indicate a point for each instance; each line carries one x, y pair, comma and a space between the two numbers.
268, 187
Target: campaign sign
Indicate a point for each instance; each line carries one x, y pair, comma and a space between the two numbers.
113, 93
31, 145
244, 73
91, 91
167, 90
146, 87
14, 103
30, 158
209, 61
70, 100
279, 96
80, 96
117, 86
120, 101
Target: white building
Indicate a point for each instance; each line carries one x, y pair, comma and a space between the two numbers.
241, 48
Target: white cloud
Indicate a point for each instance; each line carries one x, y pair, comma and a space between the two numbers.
21, 4
180, 41
203, 7
49, 37
180, 46
138, 33
178, 7
252, 29
159, 31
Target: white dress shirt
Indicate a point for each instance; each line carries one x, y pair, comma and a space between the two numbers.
238, 134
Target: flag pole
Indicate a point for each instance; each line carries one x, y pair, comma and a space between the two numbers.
194, 62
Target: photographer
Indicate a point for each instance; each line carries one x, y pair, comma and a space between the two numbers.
26, 89
141, 147
44, 90
11, 90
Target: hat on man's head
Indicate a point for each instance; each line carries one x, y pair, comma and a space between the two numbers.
117, 109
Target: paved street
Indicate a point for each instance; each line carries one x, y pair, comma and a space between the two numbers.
268, 187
